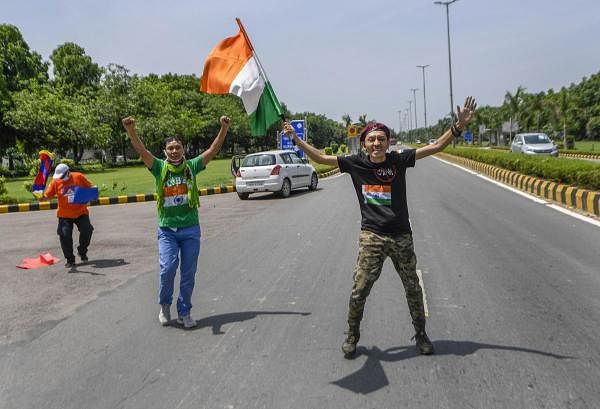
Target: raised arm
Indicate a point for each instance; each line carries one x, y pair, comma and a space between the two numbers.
464, 116
215, 147
310, 150
136, 142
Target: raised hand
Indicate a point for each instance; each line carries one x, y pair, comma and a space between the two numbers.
465, 114
128, 123
225, 120
288, 129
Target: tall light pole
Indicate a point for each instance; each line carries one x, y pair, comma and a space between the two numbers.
399, 121
422, 67
447, 4
414, 90
410, 114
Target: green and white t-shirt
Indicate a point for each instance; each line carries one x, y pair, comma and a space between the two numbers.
176, 212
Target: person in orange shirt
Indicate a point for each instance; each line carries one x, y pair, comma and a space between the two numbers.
63, 186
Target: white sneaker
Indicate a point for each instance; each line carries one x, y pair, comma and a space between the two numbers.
164, 315
187, 321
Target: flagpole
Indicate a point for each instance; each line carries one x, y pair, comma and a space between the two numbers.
260, 67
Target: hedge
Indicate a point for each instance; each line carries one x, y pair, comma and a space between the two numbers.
580, 173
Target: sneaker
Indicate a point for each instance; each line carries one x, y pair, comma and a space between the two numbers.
70, 263
187, 321
84, 258
164, 315
424, 345
349, 345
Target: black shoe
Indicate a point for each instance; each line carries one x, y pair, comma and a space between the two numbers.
349, 345
83, 257
70, 263
424, 345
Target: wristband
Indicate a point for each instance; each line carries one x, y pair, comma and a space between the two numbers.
455, 131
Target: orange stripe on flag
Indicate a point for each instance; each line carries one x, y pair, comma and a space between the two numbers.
224, 63
377, 188
175, 190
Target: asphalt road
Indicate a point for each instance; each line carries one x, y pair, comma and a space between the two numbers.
512, 288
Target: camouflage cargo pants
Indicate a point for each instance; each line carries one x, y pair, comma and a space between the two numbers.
373, 249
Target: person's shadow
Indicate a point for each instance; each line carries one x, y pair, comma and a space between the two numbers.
217, 321
371, 376
101, 263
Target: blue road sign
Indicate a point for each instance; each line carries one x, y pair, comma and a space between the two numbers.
468, 137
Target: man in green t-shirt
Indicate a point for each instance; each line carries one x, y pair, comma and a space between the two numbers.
178, 225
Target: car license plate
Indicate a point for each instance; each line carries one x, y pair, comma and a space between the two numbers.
254, 183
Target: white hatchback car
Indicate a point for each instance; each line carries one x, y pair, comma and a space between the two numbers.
273, 171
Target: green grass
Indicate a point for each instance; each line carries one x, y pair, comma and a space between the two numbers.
130, 181
588, 146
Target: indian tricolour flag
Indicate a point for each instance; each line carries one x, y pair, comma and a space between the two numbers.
377, 194
233, 68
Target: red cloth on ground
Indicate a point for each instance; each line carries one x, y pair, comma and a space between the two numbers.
43, 260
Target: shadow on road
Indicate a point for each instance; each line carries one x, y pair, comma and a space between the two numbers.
217, 321
103, 263
371, 376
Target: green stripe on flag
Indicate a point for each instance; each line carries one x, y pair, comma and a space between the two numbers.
267, 113
379, 201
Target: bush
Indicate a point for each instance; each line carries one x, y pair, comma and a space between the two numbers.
570, 142
328, 150
2, 185
343, 148
6, 199
334, 147
579, 173
27, 185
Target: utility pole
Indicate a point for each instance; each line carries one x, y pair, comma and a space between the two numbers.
448, 3
422, 67
410, 116
414, 91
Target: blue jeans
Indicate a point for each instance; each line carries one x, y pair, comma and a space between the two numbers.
171, 243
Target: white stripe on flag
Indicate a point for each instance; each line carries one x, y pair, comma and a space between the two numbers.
248, 84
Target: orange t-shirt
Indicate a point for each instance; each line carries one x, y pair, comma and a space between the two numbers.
64, 189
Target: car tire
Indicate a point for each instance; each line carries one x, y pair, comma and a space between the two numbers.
286, 188
243, 196
314, 180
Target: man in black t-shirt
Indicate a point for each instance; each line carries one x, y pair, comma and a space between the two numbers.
379, 180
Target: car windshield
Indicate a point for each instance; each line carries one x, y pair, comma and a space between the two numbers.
537, 138
258, 160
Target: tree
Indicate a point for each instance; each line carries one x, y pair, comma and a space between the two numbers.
74, 71
46, 117
513, 103
19, 67
347, 120
593, 128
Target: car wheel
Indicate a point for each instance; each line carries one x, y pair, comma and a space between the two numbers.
314, 180
286, 188
243, 196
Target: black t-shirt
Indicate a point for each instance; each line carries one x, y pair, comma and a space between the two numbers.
381, 190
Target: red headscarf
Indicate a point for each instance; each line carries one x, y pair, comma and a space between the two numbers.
374, 126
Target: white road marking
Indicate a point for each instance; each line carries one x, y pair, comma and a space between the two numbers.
527, 195
424, 296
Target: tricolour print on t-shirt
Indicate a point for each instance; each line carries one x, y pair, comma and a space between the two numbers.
380, 195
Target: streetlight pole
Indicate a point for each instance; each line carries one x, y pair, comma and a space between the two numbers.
447, 4
410, 115
422, 67
414, 90
399, 121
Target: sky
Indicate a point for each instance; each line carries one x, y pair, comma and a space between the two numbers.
339, 57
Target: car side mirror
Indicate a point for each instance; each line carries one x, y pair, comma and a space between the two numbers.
304, 160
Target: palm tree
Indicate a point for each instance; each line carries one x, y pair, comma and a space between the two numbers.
514, 103
347, 120
362, 119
